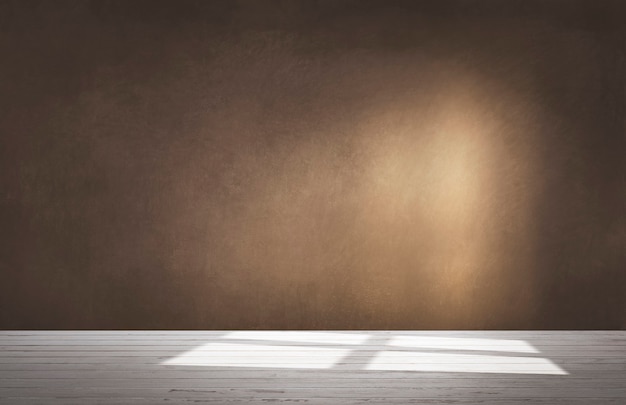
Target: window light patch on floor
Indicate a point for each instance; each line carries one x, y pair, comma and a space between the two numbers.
455, 343
360, 351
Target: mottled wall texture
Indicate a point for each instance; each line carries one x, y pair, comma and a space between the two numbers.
320, 164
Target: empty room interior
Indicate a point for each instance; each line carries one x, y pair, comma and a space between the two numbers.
318, 202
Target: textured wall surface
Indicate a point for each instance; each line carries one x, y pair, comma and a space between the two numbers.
312, 164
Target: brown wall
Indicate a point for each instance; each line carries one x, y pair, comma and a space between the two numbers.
313, 164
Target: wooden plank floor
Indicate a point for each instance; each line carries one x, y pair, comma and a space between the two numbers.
310, 367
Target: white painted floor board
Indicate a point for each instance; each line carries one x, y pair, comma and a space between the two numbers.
310, 367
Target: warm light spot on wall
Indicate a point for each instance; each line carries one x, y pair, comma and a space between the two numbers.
431, 174
408, 213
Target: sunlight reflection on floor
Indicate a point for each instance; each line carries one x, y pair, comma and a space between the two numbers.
356, 351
